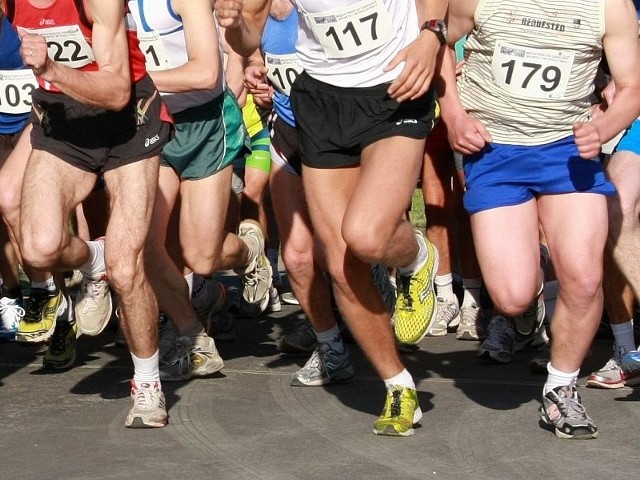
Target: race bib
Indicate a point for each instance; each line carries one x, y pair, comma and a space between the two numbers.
283, 71
352, 30
531, 72
154, 52
16, 87
67, 45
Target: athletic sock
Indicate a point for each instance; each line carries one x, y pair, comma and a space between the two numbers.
49, 285
444, 287
557, 378
146, 369
332, 337
419, 261
623, 334
403, 379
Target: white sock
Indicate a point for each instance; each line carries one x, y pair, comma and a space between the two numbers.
557, 378
623, 334
472, 288
95, 267
61, 315
420, 259
146, 369
403, 379
192, 280
444, 287
49, 285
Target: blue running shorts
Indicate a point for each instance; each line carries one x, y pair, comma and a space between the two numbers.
504, 175
630, 141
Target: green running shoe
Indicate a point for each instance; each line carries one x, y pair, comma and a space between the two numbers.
401, 412
416, 302
39, 321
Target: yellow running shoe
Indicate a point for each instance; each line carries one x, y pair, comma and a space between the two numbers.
39, 321
401, 412
416, 302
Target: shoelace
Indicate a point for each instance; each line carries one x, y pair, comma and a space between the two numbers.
449, 313
405, 288
256, 275
182, 356
16, 311
396, 403
93, 292
34, 308
571, 407
145, 396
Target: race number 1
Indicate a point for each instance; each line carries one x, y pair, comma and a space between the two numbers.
154, 52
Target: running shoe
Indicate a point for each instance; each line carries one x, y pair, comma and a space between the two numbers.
538, 364
149, 410
39, 321
257, 275
167, 335
530, 324
416, 303
631, 363
563, 410
208, 298
72, 279
274, 300
302, 339
386, 286
221, 327
93, 306
470, 327
289, 298
61, 353
447, 314
194, 357
611, 374
11, 313
325, 366
401, 412
498, 347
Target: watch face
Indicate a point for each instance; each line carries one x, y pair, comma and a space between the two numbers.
439, 28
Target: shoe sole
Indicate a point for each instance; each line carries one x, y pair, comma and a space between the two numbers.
58, 366
138, 422
324, 381
467, 335
582, 433
486, 355
35, 337
289, 299
604, 385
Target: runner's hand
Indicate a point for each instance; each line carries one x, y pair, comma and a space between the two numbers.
587, 139
419, 58
228, 12
33, 50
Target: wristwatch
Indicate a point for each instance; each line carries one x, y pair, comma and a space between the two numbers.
438, 27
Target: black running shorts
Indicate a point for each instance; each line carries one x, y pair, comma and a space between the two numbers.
97, 140
335, 123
